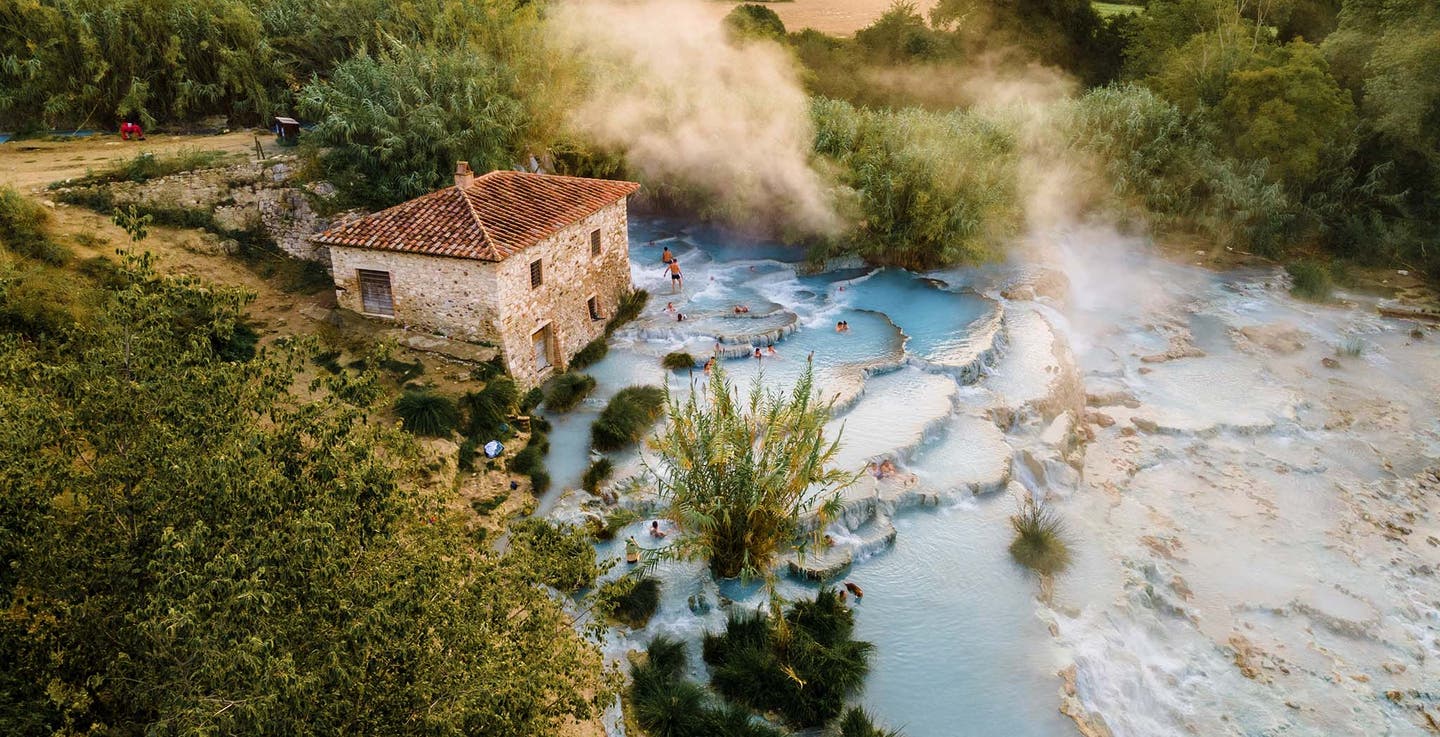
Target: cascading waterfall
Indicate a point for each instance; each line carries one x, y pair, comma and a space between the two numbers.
1180, 477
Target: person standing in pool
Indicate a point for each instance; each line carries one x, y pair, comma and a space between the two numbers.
666, 256
677, 282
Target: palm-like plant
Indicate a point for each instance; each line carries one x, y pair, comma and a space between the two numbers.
739, 475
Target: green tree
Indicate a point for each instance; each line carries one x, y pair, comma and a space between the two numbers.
1289, 110
189, 548
750, 20
739, 475
392, 125
1068, 34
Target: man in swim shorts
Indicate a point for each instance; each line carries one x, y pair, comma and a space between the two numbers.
676, 281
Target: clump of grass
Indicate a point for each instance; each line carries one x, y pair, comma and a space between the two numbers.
531, 400
631, 601
677, 361
858, 723
1351, 348
598, 473
25, 229
1310, 280
803, 671
626, 418
483, 507
465, 461
486, 411
1039, 542
530, 461
424, 412
567, 390
590, 354
628, 309
146, 165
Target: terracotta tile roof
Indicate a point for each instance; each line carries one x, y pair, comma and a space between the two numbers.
496, 216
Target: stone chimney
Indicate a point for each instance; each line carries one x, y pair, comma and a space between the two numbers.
463, 175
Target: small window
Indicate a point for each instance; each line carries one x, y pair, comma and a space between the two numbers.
594, 305
595, 242
375, 298
537, 274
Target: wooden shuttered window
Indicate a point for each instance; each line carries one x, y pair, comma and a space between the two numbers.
375, 297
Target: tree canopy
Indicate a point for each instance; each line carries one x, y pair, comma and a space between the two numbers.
188, 548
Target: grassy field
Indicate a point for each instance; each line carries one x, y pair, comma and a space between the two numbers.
1108, 9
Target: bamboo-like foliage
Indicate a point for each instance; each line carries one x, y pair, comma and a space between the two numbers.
739, 473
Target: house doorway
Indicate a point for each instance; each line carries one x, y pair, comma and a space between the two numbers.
543, 339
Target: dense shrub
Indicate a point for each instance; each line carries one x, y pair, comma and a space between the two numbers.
590, 354
598, 473
38, 302
631, 601
626, 418
929, 189
678, 361
424, 412
607, 528
565, 558
628, 309
237, 344
567, 390
751, 20
803, 673
666, 704
1039, 540
1309, 280
25, 229
530, 461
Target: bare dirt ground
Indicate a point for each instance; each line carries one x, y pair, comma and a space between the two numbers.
31, 165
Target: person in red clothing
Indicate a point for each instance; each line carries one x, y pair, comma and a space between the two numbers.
131, 128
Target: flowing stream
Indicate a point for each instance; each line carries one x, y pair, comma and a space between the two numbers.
1255, 534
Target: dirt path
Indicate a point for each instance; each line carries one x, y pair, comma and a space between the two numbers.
32, 164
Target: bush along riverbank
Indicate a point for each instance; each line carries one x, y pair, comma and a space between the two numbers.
797, 667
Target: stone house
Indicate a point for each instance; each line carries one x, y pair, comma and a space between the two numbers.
531, 263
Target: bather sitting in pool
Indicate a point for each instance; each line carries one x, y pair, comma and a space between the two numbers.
655, 530
741, 309
758, 355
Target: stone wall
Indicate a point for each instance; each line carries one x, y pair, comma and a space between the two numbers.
245, 194
454, 297
494, 303
571, 277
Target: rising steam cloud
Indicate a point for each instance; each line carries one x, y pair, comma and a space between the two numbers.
696, 111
